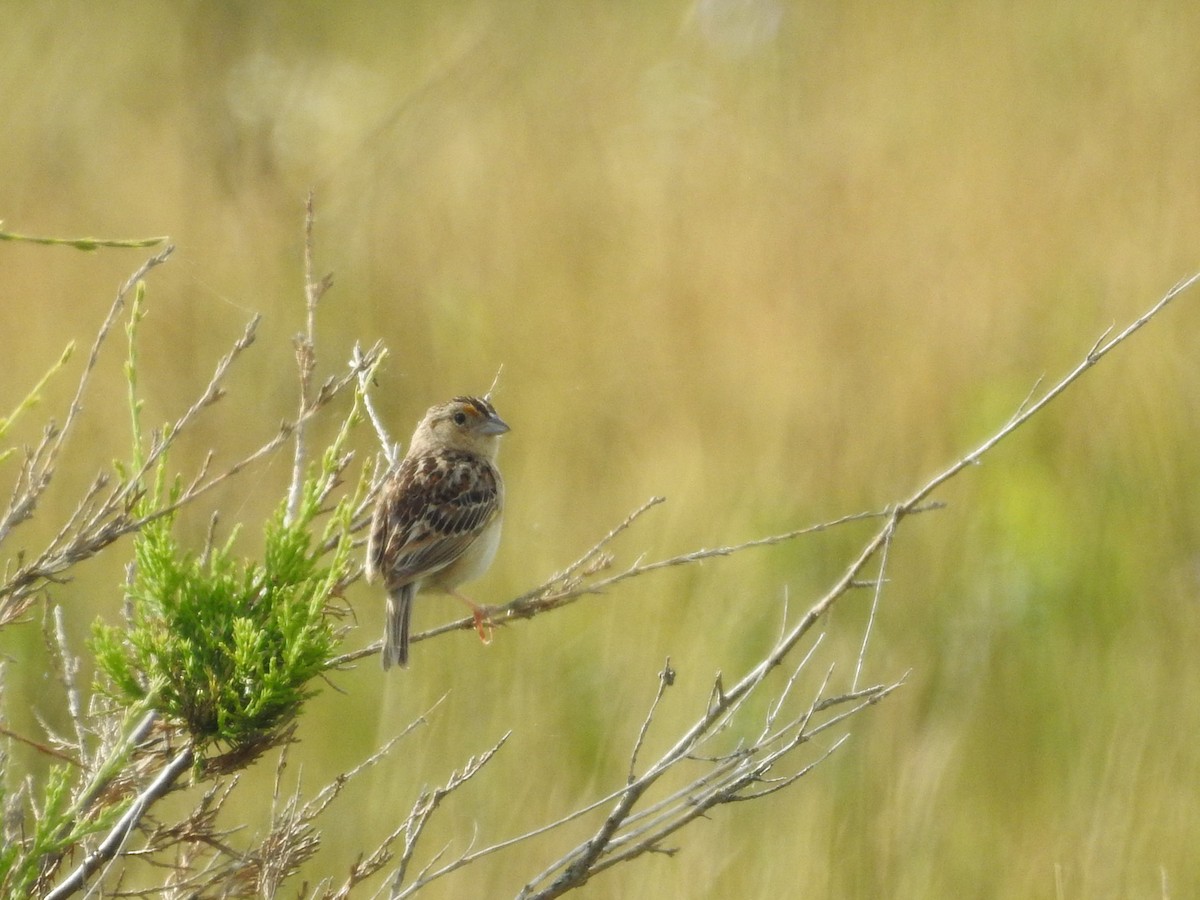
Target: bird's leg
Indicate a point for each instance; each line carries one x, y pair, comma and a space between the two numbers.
483, 623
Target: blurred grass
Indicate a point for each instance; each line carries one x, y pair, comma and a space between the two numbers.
776, 261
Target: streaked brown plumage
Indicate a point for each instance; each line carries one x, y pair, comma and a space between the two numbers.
437, 521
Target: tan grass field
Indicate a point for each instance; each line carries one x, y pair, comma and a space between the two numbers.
776, 261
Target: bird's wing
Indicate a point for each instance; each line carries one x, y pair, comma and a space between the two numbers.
431, 511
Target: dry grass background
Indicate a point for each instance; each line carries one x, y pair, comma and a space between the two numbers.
777, 261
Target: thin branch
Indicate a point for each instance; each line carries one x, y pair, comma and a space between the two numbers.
593, 560
774, 709
94, 525
37, 477
212, 392
40, 748
1098, 351
112, 843
578, 866
534, 602
666, 678
1037, 384
306, 356
365, 868
69, 664
875, 597
84, 243
570, 584
423, 810
390, 451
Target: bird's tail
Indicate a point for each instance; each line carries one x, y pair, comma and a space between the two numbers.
395, 634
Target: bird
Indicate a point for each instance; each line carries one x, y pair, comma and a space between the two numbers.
436, 523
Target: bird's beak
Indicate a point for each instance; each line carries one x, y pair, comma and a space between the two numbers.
493, 425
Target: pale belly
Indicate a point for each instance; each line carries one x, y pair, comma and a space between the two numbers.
471, 565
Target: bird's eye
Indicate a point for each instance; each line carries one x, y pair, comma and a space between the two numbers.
460, 418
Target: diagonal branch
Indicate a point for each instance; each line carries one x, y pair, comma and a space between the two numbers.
571, 585
578, 866
116, 837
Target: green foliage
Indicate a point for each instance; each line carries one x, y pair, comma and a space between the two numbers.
31, 398
219, 647
57, 830
137, 312
19, 870
86, 243
227, 646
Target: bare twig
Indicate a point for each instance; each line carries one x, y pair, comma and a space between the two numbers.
306, 356
578, 866
730, 779
1098, 351
382, 854
426, 805
39, 747
551, 596
774, 709
68, 669
83, 243
593, 560
666, 678
390, 451
40, 470
875, 597
571, 584
116, 837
